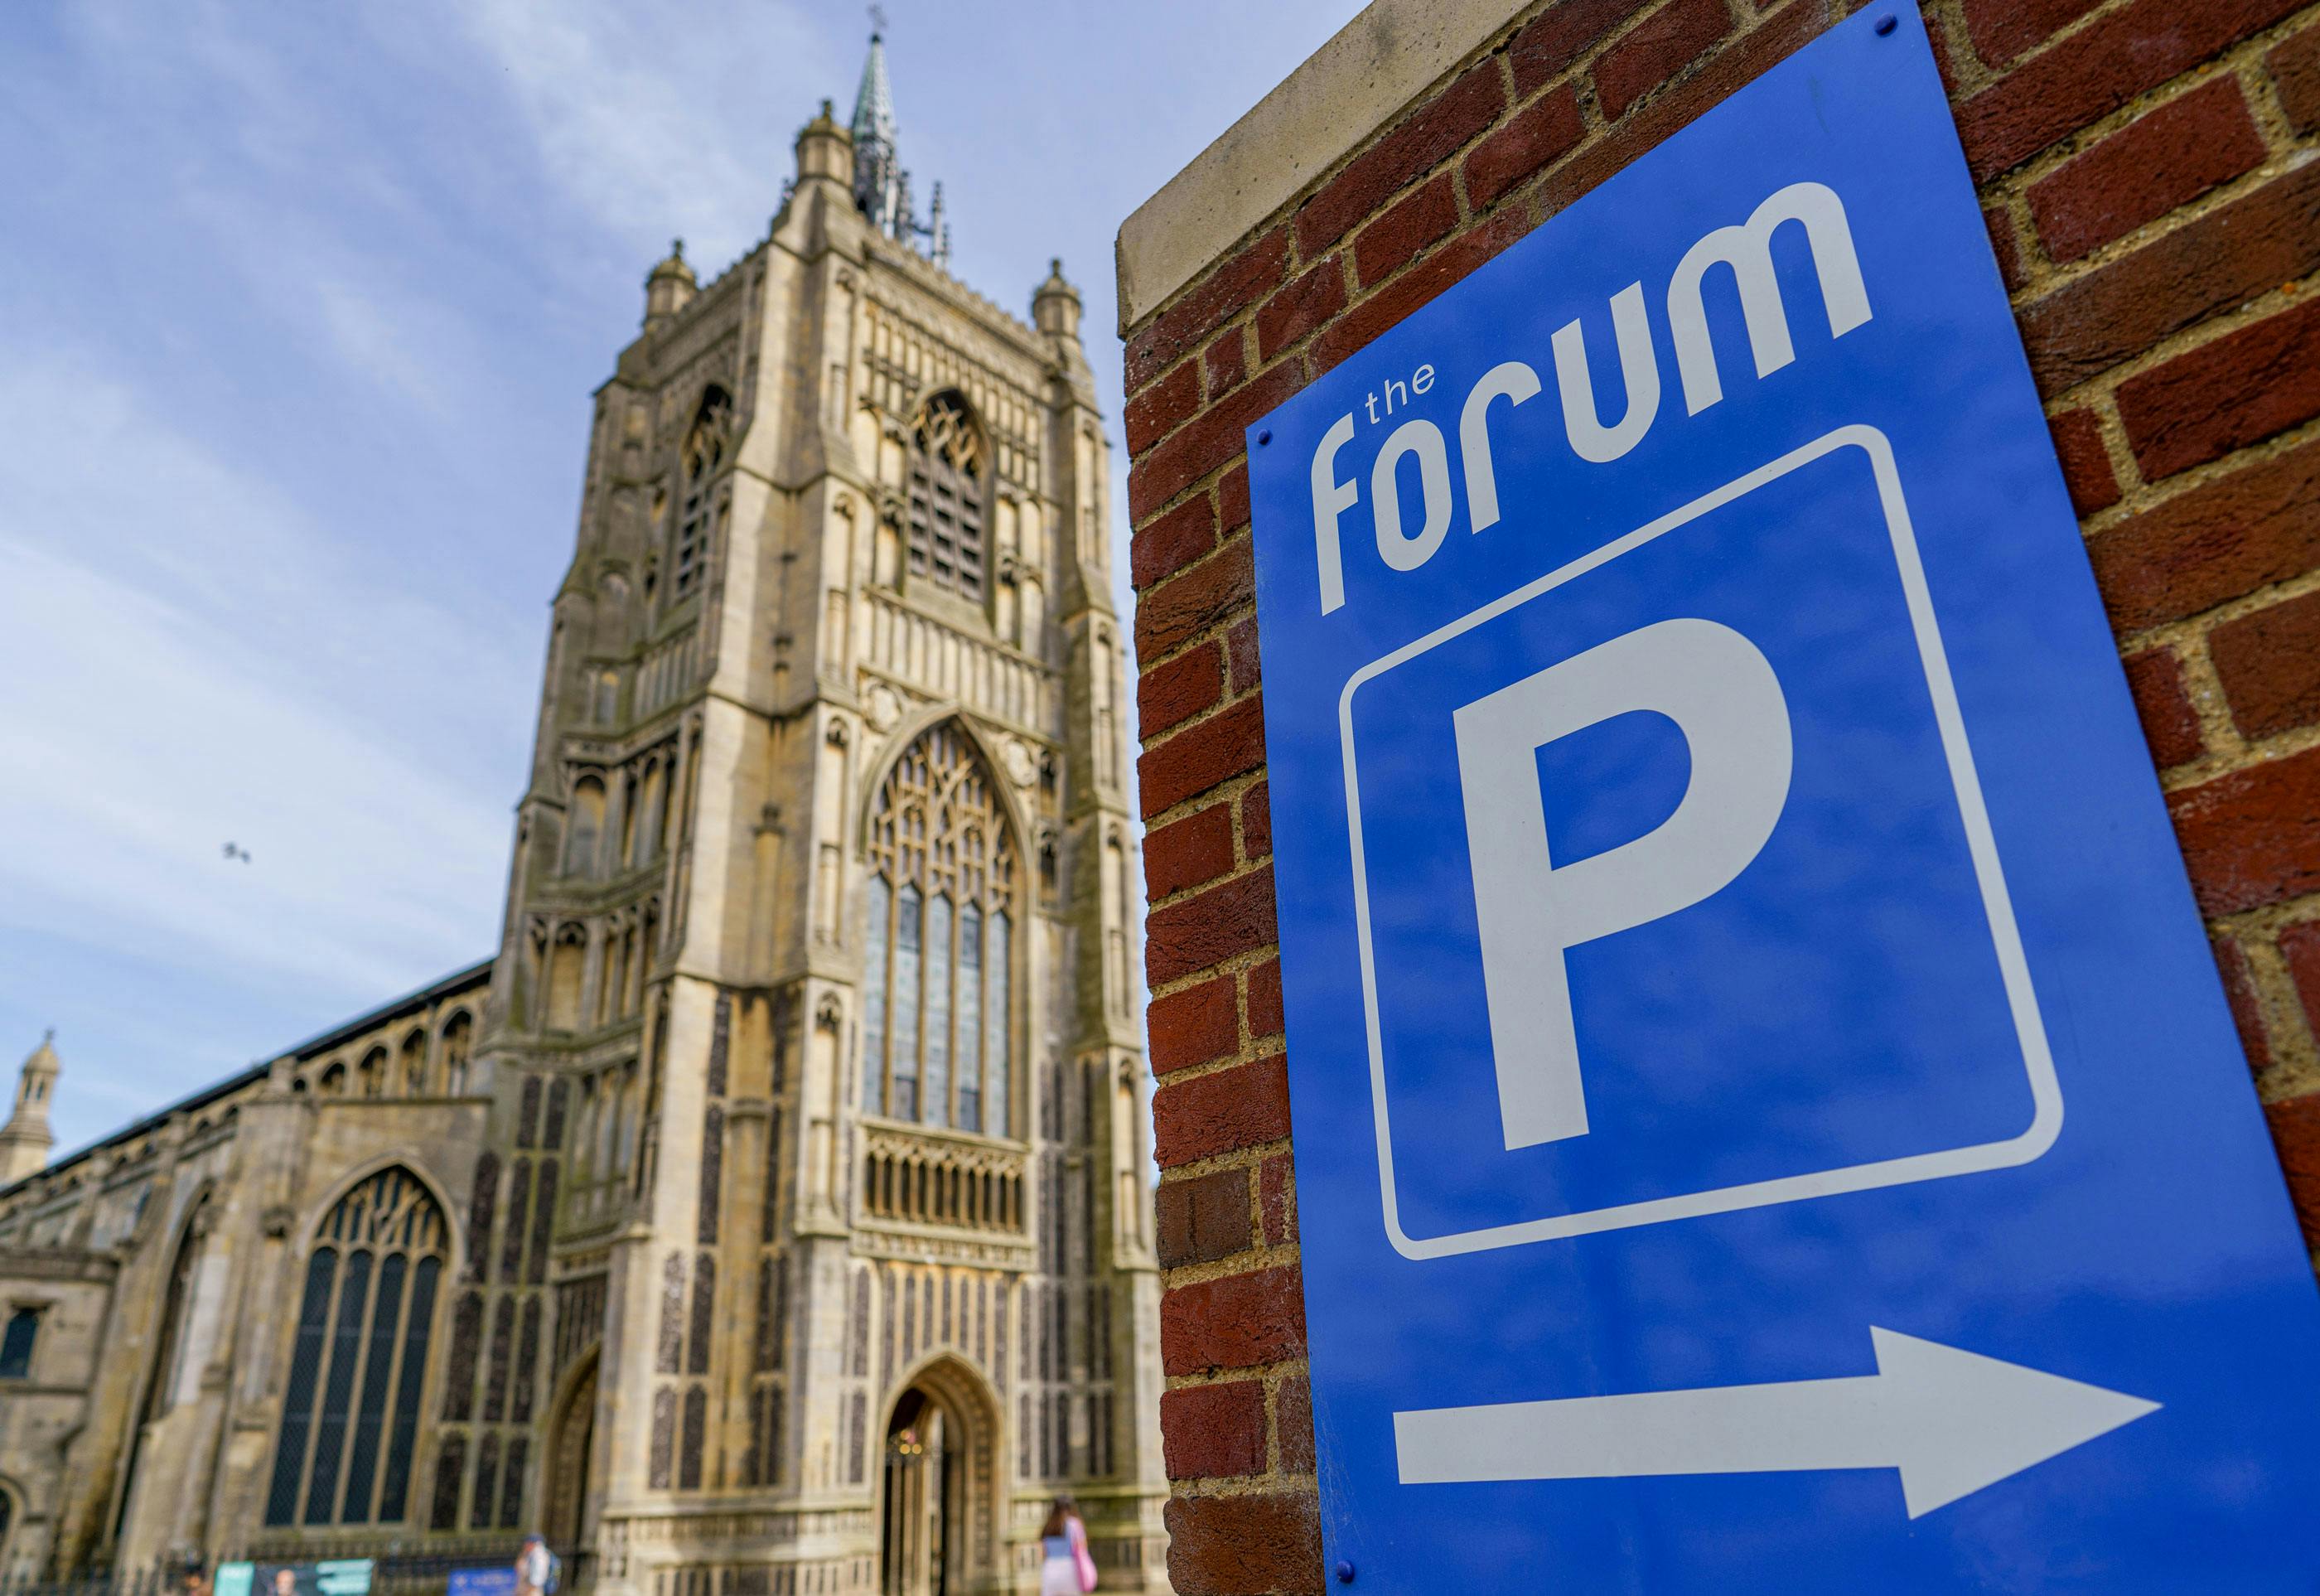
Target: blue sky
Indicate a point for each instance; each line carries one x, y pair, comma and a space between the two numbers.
301, 307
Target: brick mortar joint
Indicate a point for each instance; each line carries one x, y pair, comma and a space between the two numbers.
2142, 497
2237, 61
2262, 90
1192, 639
1234, 965
1206, 485
2287, 1031
2225, 748
2207, 771
1185, 807
2213, 329
1242, 1485
1255, 1261
2064, 37
1218, 1066
1265, 1376
1199, 718
1203, 486
2205, 329
1251, 1159
2042, 277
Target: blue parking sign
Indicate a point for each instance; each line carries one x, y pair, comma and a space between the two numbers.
1765, 1115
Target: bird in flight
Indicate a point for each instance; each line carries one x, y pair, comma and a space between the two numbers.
236, 851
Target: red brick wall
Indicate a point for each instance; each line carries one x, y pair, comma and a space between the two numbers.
2139, 162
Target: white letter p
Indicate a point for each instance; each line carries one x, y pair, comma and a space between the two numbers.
1720, 691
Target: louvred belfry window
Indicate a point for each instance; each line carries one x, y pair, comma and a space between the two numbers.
358, 1360
939, 913
704, 454
947, 489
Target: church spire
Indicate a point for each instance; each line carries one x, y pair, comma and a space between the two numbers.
873, 102
881, 187
25, 1139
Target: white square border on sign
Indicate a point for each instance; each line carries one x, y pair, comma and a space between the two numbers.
2046, 1090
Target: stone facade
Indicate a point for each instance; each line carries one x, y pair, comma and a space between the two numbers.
771, 1213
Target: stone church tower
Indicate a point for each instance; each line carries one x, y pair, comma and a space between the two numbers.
822, 880
772, 1213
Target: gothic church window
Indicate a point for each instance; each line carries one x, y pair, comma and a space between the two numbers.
16, 1344
358, 1357
705, 449
947, 482
449, 1464
940, 908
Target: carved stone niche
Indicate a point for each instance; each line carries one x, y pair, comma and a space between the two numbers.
1022, 764
829, 1014
275, 1222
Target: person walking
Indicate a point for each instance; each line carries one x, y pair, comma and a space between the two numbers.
538, 1570
1065, 1569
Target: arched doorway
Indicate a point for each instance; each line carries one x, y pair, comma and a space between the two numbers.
938, 1486
566, 1499
920, 1507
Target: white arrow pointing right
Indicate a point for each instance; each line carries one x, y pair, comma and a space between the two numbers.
1951, 1422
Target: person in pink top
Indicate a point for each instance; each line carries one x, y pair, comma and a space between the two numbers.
1065, 1569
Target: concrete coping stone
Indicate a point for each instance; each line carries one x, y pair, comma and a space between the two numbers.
1372, 67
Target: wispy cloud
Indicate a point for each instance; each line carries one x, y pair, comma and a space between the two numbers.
650, 118
299, 316
185, 664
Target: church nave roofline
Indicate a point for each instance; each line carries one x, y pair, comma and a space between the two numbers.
473, 975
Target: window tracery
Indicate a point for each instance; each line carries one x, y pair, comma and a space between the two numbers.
705, 449
948, 480
350, 1406
939, 913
